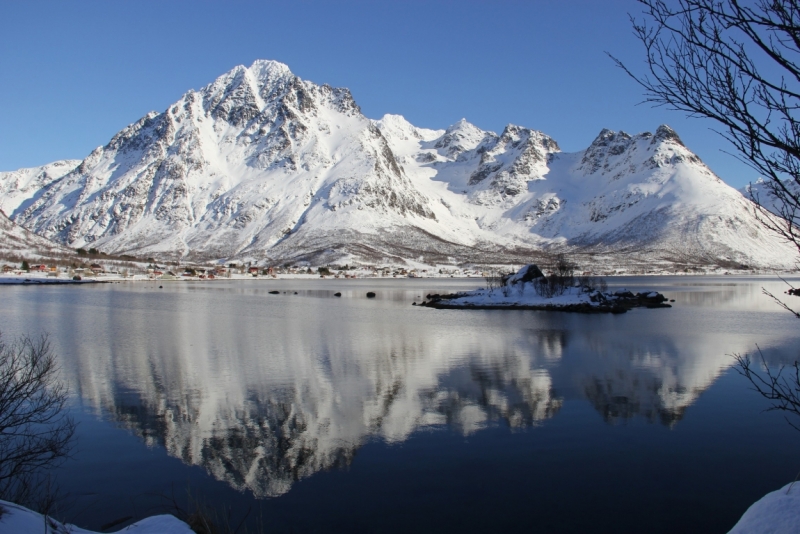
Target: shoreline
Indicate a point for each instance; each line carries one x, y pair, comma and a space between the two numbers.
49, 281
35, 279
571, 308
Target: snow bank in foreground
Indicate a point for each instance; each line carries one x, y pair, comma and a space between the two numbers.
19, 520
775, 513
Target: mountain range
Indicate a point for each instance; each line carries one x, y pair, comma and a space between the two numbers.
263, 166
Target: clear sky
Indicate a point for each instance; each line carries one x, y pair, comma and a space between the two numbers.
72, 74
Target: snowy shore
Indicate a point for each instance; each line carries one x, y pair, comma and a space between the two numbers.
777, 512
17, 519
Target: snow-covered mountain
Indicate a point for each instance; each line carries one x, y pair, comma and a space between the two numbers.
264, 166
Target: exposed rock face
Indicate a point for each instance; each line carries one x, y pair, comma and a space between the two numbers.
264, 166
512, 160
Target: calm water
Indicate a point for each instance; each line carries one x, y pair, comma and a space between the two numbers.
302, 412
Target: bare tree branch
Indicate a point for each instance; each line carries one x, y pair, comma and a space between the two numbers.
736, 63
780, 387
780, 303
35, 428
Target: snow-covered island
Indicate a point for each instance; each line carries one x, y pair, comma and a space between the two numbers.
530, 289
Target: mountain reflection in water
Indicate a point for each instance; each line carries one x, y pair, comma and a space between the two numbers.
262, 427
263, 392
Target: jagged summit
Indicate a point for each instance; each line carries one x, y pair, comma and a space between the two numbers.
665, 133
459, 138
613, 152
263, 165
266, 70
264, 76
462, 124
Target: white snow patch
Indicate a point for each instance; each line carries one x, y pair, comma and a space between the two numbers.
20, 520
777, 512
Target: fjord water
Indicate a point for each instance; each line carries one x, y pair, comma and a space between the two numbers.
304, 412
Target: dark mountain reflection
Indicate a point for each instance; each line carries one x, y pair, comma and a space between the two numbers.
283, 433
634, 395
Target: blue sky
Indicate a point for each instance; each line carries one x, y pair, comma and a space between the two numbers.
72, 74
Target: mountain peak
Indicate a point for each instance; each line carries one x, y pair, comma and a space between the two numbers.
458, 138
665, 133
398, 121
269, 64
607, 144
461, 126
263, 76
267, 70
607, 137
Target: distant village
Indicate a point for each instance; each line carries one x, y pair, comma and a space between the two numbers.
172, 271
94, 265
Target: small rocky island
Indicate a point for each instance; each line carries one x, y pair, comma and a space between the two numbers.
530, 289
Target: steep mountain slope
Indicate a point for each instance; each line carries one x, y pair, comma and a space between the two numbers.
16, 241
265, 166
19, 188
